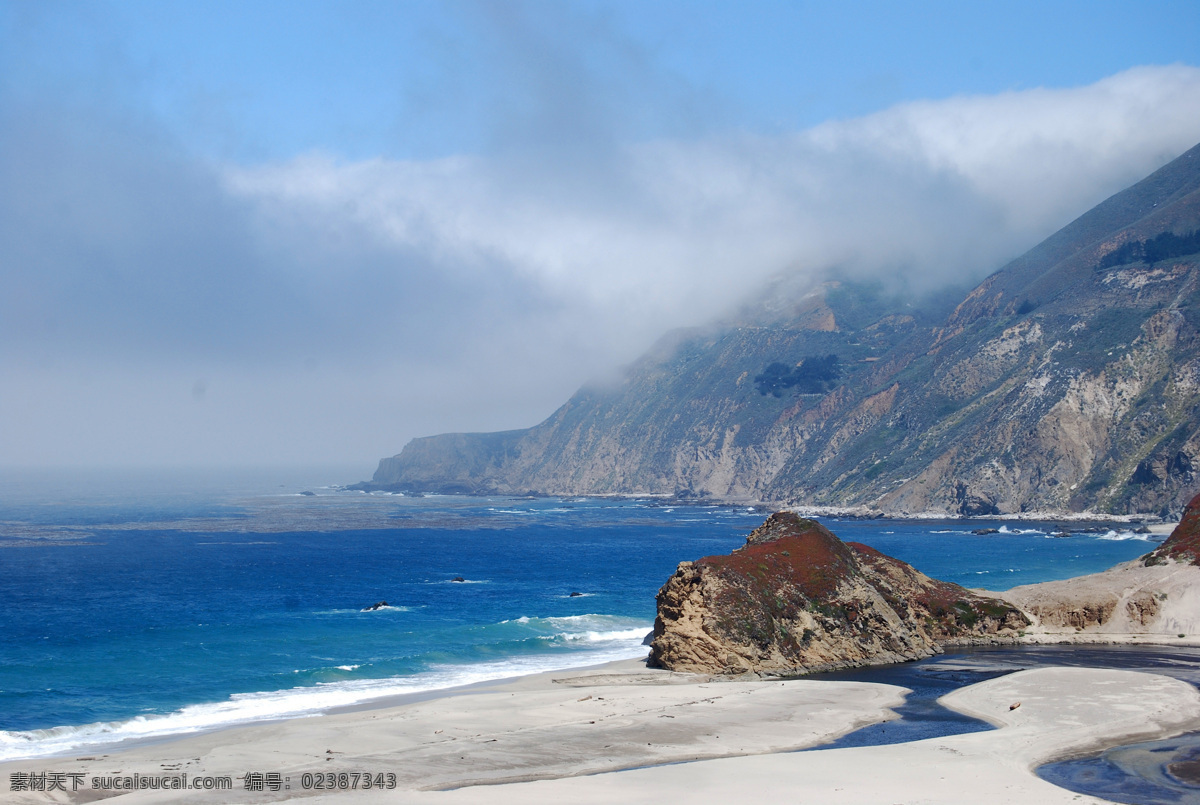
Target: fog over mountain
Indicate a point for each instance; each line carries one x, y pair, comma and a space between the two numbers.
162, 307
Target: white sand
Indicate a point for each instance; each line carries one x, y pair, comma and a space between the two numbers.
563, 730
1063, 711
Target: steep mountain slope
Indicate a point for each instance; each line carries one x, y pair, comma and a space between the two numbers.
1068, 380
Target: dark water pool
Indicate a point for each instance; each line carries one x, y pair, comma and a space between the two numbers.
921, 716
1155, 773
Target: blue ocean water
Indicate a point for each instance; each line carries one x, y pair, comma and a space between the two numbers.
135, 605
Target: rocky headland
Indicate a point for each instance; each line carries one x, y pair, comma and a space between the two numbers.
796, 599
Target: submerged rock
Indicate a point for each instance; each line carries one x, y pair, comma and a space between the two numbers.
796, 599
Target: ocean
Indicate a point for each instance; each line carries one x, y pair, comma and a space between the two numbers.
135, 605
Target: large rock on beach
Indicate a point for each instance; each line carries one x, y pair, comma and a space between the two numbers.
796, 599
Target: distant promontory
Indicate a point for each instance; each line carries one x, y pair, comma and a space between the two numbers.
1068, 381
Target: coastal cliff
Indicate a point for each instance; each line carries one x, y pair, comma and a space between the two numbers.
1068, 381
796, 599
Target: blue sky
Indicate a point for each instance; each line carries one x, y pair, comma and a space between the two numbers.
269, 80
305, 232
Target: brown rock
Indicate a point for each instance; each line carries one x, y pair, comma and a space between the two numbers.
796, 599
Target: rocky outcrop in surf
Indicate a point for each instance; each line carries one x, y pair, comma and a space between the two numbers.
796, 599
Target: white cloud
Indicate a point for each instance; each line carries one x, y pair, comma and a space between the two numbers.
674, 231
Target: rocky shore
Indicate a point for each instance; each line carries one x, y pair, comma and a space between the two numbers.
795, 599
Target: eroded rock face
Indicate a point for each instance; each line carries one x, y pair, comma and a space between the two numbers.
796, 599
1084, 614
1156, 596
1081, 612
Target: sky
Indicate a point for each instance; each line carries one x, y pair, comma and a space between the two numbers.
303, 233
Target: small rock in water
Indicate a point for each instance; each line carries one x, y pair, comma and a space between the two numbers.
984, 531
1186, 771
458, 579
575, 595
376, 605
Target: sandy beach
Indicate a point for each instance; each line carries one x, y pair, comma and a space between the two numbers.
625, 733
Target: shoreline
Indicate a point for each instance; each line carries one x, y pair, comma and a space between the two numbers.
858, 512
524, 733
620, 731
561, 700
1036, 635
383, 701
630, 668
1154, 522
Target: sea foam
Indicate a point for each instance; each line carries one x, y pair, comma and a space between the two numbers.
607, 637
302, 702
